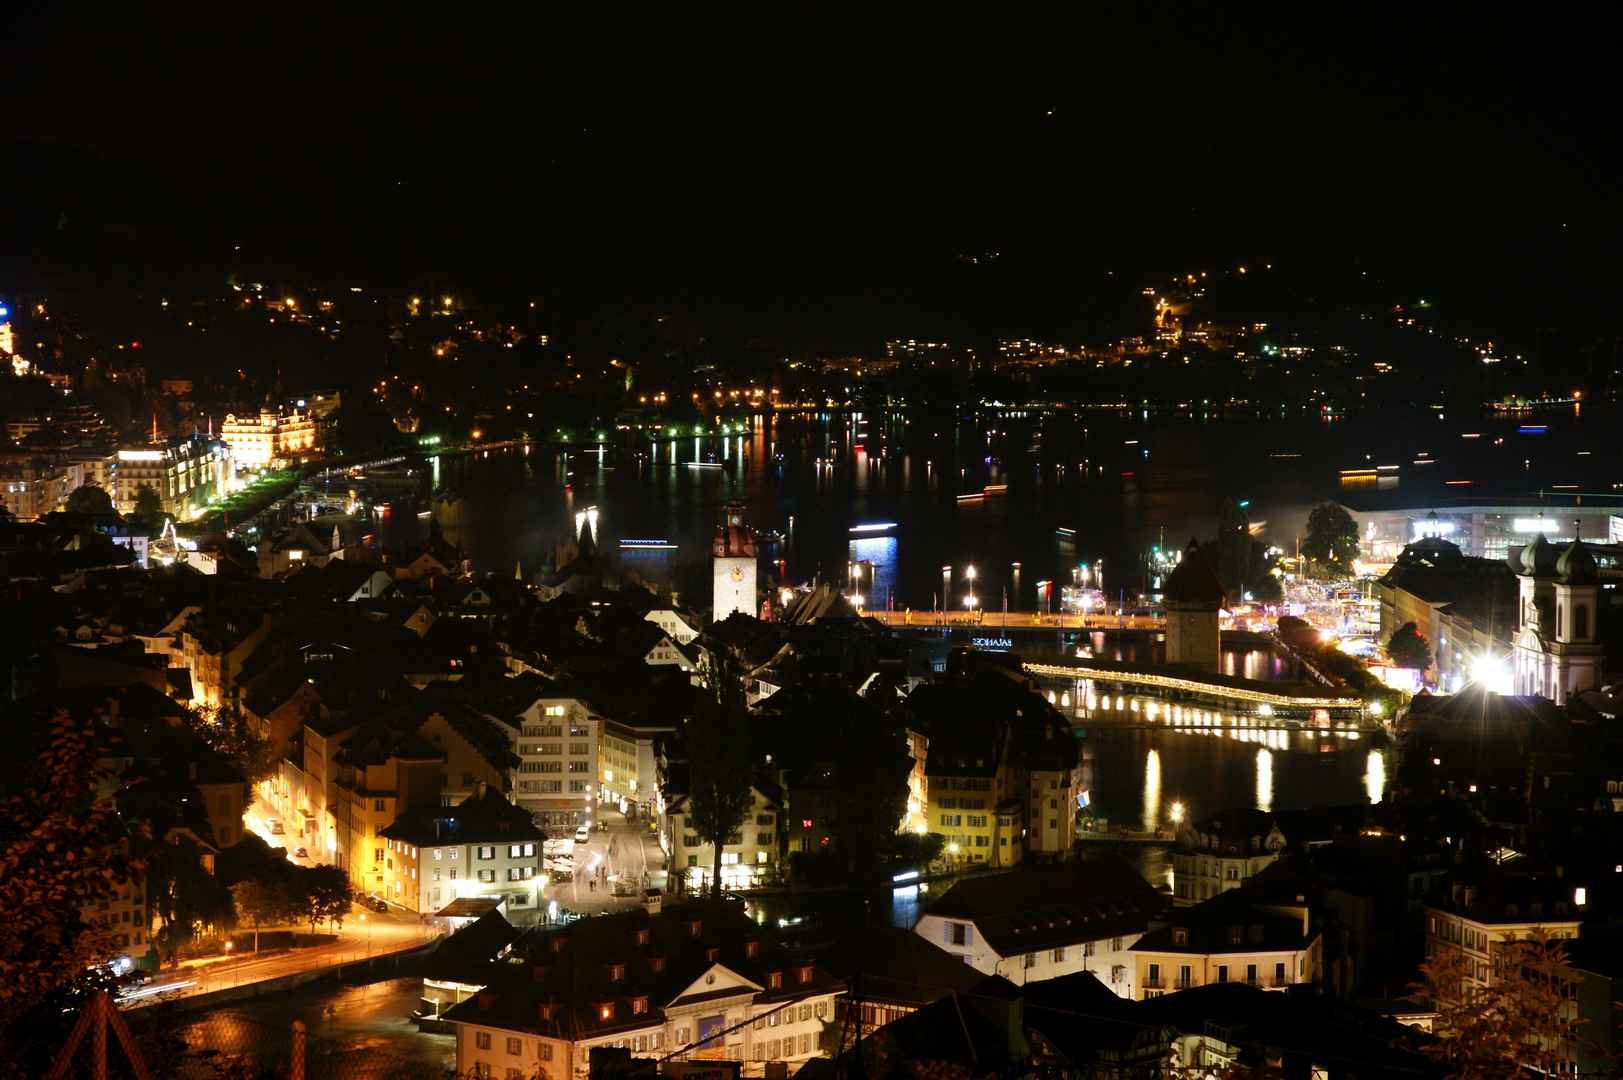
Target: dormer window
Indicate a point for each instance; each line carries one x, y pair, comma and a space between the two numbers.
1234, 935
639, 1005
774, 980
1180, 936
606, 1011
712, 954
642, 937
656, 964
617, 972
557, 944
805, 974
752, 949
695, 927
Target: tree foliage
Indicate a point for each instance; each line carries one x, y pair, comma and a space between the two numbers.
228, 731
870, 782
1521, 1023
1242, 562
90, 499
148, 503
718, 742
1408, 648
60, 848
1332, 539
184, 896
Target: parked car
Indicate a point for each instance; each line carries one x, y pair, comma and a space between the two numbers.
376, 903
582, 833
277, 829
300, 853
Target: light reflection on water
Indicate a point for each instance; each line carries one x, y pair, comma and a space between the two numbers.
366, 1030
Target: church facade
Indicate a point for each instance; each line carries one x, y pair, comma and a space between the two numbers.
1556, 653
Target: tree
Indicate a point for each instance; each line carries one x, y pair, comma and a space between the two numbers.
870, 782
60, 848
1332, 538
1520, 1023
90, 499
184, 896
1408, 648
329, 893
1232, 548
718, 739
262, 902
147, 500
227, 730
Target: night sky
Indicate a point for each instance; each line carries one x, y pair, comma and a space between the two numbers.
831, 177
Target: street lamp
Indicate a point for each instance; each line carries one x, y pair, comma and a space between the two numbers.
969, 601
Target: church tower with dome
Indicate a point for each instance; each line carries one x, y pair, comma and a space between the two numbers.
1556, 653
734, 573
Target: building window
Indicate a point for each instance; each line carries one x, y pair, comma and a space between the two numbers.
960, 934
515, 1046
481, 1039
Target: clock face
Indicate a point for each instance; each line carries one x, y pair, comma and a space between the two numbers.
737, 574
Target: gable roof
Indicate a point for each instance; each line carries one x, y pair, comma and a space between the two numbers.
1051, 906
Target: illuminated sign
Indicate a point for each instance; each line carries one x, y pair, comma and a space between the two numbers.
1532, 524
993, 643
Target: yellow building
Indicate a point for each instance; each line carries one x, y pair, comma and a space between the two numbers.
257, 441
969, 805
1233, 937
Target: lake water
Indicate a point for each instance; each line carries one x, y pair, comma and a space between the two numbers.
1120, 481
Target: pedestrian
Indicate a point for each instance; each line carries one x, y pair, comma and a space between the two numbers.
592, 885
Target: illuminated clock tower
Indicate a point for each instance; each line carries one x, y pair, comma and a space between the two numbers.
734, 551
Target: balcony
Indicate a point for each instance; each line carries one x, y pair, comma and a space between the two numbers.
1155, 984
1279, 982
1184, 984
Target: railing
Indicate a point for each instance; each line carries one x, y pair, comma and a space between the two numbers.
1278, 981
1184, 984
1154, 984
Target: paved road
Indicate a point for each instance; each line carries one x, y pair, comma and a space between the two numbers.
627, 851
363, 934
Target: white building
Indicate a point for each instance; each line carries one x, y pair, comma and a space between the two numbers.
1556, 652
698, 982
559, 744
750, 856
1046, 922
483, 847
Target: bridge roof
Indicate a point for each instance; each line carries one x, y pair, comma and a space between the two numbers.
1255, 690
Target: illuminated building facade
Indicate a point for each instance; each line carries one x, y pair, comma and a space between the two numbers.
734, 550
186, 474
257, 441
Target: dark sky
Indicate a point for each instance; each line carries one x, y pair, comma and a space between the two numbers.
821, 174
